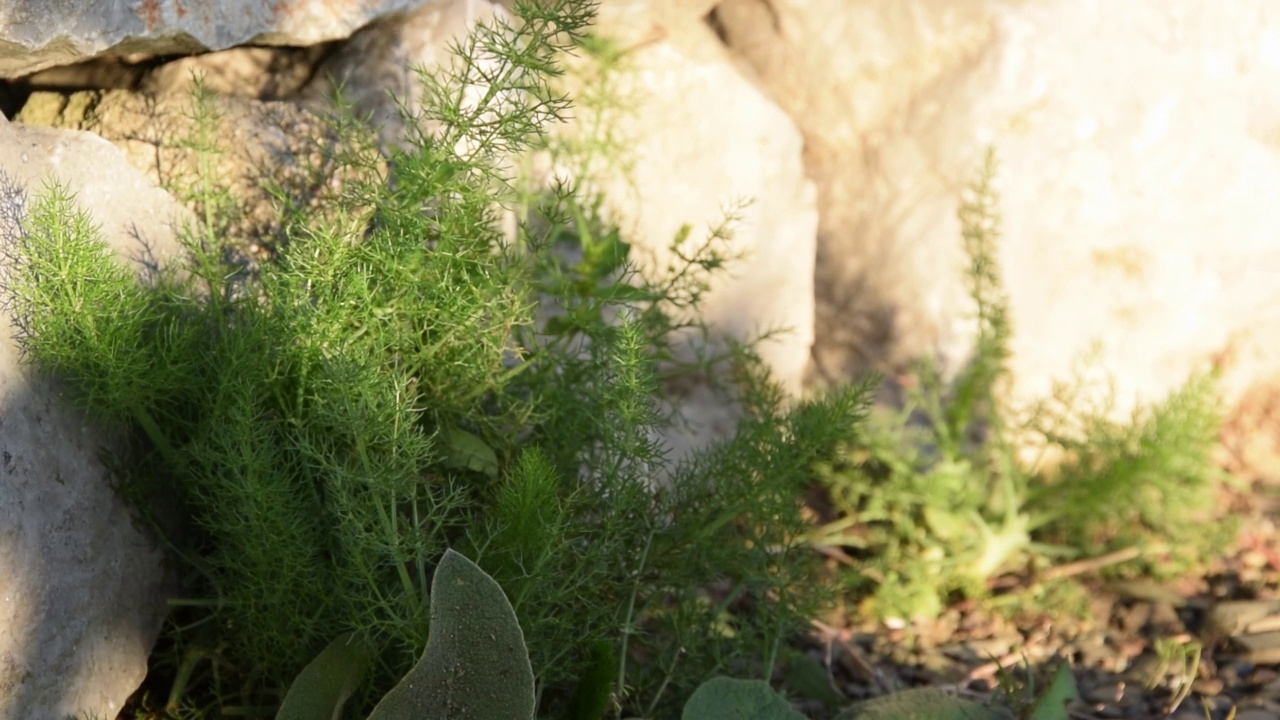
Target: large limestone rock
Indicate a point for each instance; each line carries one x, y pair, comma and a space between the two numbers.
82, 592
1139, 161
36, 34
851, 74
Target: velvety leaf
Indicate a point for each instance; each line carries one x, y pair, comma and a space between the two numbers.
476, 666
730, 699
922, 704
325, 684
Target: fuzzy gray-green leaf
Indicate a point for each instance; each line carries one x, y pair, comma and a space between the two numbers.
476, 666
725, 698
922, 704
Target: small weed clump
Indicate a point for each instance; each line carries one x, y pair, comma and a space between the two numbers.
936, 500
312, 438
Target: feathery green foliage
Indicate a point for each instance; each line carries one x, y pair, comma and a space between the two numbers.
325, 428
1149, 482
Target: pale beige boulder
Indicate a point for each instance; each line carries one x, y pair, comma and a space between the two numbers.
1139, 174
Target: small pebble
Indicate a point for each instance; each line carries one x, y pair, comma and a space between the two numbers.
1208, 686
1256, 714
1105, 693
1263, 676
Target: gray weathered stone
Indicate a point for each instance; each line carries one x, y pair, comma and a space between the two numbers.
82, 590
36, 34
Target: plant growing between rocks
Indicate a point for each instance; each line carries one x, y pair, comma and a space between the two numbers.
310, 439
937, 501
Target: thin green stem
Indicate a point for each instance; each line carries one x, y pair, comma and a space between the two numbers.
631, 607
156, 435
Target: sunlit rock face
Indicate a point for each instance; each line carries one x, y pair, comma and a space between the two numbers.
1138, 166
